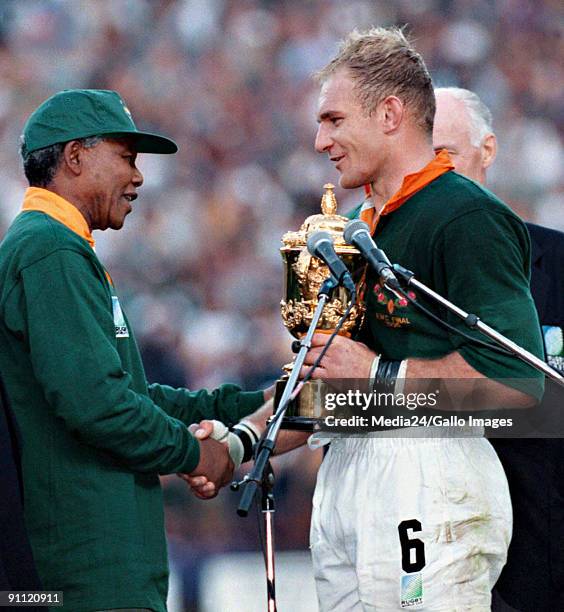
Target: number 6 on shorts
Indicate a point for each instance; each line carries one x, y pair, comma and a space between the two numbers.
418, 563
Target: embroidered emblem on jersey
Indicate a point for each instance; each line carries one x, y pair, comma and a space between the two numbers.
119, 319
554, 346
389, 304
411, 590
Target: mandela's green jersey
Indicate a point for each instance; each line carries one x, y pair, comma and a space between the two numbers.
95, 436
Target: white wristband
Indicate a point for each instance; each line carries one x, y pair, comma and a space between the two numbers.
249, 435
250, 428
222, 434
400, 379
373, 370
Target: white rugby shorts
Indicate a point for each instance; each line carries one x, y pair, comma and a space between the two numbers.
409, 523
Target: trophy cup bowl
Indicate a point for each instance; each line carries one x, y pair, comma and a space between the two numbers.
303, 276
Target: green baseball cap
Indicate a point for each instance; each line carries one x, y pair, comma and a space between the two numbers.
79, 113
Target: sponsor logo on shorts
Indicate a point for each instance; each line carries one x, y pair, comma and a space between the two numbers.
411, 590
119, 319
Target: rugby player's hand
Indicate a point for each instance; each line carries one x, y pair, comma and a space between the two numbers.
345, 358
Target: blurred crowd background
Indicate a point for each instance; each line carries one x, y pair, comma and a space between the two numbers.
197, 264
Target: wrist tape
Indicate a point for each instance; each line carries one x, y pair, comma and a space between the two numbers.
240, 441
373, 370
390, 376
249, 435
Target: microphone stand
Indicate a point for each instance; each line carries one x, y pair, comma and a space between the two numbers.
473, 322
262, 474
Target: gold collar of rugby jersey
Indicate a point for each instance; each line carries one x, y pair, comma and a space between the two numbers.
411, 184
52, 204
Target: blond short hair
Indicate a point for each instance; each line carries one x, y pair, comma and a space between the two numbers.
383, 62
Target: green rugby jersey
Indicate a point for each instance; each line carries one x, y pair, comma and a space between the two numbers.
464, 243
95, 436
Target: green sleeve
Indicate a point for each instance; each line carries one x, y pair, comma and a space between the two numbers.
227, 403
72, 343
486, 259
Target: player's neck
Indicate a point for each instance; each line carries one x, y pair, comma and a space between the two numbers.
403, 160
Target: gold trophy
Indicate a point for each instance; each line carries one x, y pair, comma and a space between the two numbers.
304, 275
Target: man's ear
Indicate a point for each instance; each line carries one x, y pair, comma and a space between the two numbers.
73, 158
391, 113
488, 150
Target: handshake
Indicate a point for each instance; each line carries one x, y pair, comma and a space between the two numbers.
221, 452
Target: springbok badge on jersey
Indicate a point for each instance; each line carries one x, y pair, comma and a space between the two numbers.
119, 319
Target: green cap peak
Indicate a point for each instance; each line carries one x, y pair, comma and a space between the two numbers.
79, 113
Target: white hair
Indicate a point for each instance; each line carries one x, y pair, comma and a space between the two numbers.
479, 114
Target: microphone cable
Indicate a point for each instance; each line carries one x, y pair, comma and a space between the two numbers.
448, 326
357, 233
315, 364
340, 323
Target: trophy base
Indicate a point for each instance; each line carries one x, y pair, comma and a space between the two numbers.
307, 410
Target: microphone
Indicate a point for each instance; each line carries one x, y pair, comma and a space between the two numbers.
320, 245
356, 233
